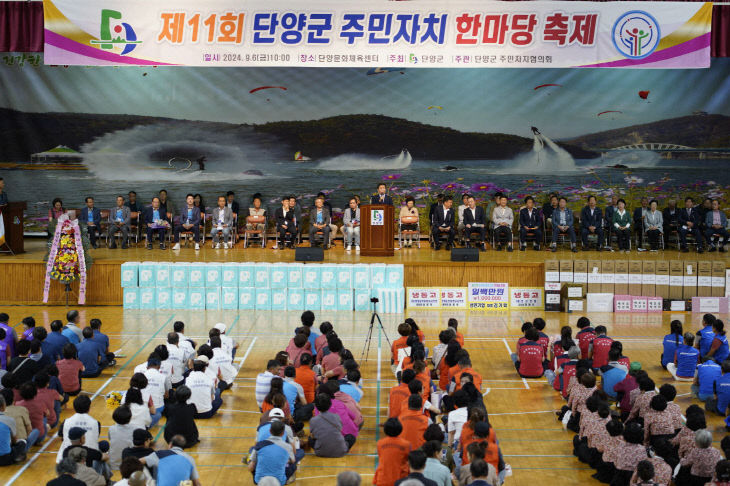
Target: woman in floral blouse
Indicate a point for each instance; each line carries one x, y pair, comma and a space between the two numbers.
629, 456
700, 461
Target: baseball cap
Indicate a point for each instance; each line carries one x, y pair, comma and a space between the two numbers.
76, 433
203, 359
276, 412
481, 429
221, 327
139, 436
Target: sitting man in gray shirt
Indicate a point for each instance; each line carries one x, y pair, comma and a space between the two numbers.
326, 431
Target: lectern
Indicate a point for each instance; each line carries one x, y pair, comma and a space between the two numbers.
376, 230
12, 215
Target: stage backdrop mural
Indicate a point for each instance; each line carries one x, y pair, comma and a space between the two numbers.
71, 132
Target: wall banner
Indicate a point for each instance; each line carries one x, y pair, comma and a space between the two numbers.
488, 296
378, 33
436, 297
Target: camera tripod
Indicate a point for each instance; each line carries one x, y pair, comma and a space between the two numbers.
366, 348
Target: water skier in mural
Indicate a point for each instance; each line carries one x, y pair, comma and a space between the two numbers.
201, 162
535, 130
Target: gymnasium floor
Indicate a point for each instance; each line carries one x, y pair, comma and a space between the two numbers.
521, 411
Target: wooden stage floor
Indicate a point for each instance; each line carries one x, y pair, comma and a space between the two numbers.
521, 411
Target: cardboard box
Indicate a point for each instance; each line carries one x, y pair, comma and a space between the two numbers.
328, 280
246, 298
576, 305
229, 297
676, 279
608, 269
362, 299
662, 279
131, 297
344, 277
394, 276
566, 271
279, 276
130, 271
594, 276
568, 293
329, 300
344, 300
704, 279
621, 277
635, 272
648, 279
294, 279
295, 297
639, 304
621, 304
718, 279
552, 296
711, 305
278, 299
213, 275
552, 271
654, 304
580, 273
599, 302
689, 289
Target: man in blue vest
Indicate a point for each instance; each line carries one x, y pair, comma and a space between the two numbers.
685, 360
173, 465
721, 400
707, 373
273, 456
706, 334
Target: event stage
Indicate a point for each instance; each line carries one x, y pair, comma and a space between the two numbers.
21, 276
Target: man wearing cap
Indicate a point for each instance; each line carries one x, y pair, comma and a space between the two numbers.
158, 386
83, 472
11, 449
273, 456
203, 392
173, 465
227, 344
94, 458
263, 381
88, 435
141, 439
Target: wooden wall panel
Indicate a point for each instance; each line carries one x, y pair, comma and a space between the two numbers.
460, 274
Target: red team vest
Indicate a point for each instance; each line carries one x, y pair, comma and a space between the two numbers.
559, 360
601, 347
585, 337
569, 370
544, 341
531, 357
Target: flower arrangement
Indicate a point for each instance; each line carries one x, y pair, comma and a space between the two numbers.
67, 259
66, 265
113, 400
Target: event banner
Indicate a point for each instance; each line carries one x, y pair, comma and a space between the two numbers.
378, 34
488, 296
436, 297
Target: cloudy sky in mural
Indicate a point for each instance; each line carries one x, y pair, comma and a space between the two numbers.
475, 100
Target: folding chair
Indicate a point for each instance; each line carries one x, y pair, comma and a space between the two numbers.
402, 234
255, 233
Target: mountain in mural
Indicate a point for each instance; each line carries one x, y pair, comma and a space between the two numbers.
696, 131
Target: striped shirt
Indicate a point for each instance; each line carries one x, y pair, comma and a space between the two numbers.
263, 386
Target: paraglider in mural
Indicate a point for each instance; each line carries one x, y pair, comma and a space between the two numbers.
435, 109
613, 117
379, 70
644, 94
260, 88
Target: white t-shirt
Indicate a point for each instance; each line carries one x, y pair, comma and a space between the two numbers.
202, 387
222, 360
86, 422
141, 368
177, 360
157, 385
140, 415
457, 419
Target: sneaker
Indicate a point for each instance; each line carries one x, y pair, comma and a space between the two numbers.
348, 248
574, 249
712, 249
125, 245
176, 246
225, 246
553, 248
357, 248
162, 246
217, 246
523, 247
197, 246
509, 248
149, 246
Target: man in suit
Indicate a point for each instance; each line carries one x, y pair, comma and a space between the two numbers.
297, 210
157, 220
319, 220
231, 202
222, 221
189, 221
328, 207
475, 221
670, 216
530, 222
502, 220
443, 224
432, 209
285, 225
381, 197
91, 216
563, 224
132, 203
716, 222
591, 223
639, 214
689, 223
119, 219
165, 203
608, 217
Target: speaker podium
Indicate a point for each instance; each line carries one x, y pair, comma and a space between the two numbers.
12, 215
376, 230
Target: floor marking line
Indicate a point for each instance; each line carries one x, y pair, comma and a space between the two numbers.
509, 352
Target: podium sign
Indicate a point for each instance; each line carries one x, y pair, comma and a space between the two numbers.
376, 231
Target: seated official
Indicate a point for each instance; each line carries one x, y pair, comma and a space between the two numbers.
622, 225
285, 225
549, 209
231, 202
132, 203
653, 225
333, 227
443, 224
319, 221
222, 223
502, 219
608, 217
408, 217
91, 217
591, 223
460, 213
670, 215
530, 222
157, 220
257, 211
351, 225
382, 196
563, 224
475, 222
189, 221
119, 218
297, 210
689, 224
716, 222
